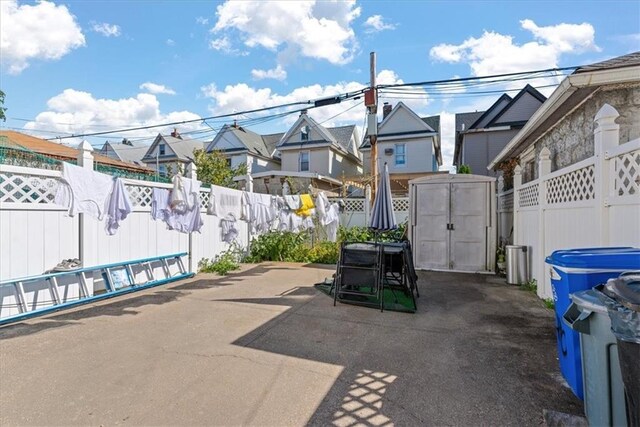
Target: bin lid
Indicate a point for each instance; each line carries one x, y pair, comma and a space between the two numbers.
588, 300
625, 290
613, 258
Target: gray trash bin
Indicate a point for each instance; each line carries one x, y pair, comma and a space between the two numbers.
602, 379
517, 259
622, 299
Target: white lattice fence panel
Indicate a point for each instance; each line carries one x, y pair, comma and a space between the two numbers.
401, 205
350, 205
627, 174
140, 196
575, 186
17, 188
528, 196
505, 202
204, 199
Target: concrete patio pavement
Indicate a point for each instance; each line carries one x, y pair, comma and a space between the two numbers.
263, 347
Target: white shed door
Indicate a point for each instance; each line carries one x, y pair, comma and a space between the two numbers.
431, 237
468, 250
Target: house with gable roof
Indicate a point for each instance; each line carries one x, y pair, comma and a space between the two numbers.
171, 153
243, 146
479, 142
408, 143
313, 155
125, 151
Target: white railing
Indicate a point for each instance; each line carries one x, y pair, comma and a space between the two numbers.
595, 202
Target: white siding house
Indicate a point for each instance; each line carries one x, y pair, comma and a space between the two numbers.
409, 144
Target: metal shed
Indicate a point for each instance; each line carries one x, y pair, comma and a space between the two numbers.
452, 222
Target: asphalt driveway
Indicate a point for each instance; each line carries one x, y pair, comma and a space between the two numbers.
264, 347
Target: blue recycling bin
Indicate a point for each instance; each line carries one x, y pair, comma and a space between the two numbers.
575, 270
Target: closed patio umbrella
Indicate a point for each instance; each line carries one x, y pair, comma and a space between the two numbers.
382, 215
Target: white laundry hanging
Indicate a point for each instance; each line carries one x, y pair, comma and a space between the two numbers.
212, 205
180, 208
258, 210
160, 204
119, 206
228, 229
84, 191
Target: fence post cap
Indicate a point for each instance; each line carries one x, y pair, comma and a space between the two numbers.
85, 146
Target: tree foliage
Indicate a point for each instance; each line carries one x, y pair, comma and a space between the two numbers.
464, 169
213, 168
2, 107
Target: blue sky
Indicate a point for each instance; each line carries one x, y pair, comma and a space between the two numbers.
86, 66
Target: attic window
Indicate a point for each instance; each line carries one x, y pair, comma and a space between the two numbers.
161, 149
304, 133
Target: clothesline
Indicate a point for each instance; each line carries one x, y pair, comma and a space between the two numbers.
179, 205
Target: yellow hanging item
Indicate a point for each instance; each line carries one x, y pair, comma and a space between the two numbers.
307, 205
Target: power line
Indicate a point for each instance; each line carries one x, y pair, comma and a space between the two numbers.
476, 78
311, 104
449, 83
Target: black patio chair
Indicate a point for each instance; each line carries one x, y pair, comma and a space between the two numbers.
398, 272
359, 272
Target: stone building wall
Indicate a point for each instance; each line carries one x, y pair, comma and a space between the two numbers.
571, 140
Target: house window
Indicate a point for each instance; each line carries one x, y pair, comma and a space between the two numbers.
400, 152
163, 170
304, 161
161, 149
304, 133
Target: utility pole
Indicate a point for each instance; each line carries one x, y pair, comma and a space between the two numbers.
372, 124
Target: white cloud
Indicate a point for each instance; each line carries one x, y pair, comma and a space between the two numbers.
375, 24
77, 112
242, 97
107, 30
202, 20
223, 44
277, 73
170, 42
40, 31
315, 29
157, 89
495, 53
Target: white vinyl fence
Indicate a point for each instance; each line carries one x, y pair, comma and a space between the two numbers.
357, 211
37, 234
595, 202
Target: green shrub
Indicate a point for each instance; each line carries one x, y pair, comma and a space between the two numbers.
323, 253
548, 302
222, 264
278, 246
464, 169
365, 234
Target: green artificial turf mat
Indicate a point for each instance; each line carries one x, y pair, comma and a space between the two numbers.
395, 300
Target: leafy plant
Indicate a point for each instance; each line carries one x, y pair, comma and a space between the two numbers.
213, 168
2, 107
324, 253
222, 264
464, 169
278, 246
531, 285
548, 302
507, 167
365, 234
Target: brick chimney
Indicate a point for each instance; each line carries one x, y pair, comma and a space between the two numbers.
386, 109
175, 133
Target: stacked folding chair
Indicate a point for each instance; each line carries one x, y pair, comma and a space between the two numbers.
359, 272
